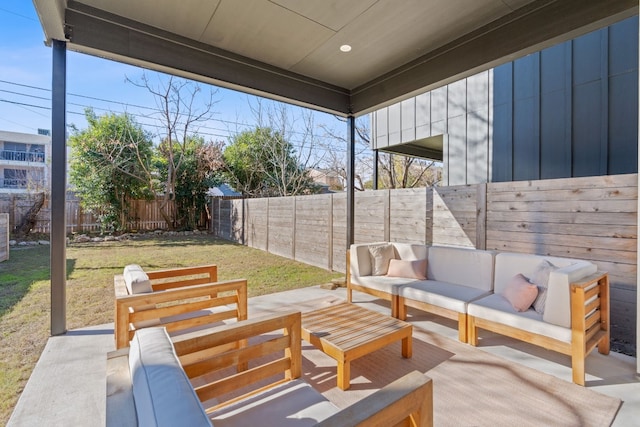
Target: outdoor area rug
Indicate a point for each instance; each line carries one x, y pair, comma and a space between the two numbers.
470, 387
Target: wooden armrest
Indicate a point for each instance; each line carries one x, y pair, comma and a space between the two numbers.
200, 352
204, 273
410, 397
186, 307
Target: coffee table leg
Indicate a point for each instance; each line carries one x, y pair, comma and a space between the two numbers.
407, 347
344, 374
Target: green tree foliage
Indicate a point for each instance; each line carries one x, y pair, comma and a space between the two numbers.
196, 173
110, 166
262, 163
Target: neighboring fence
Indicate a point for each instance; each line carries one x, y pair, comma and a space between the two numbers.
592, 218
4, 236
146, 214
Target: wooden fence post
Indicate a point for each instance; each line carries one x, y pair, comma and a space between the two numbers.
481, 216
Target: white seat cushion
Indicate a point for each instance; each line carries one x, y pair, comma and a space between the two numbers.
442, 294
386, 284
497, 309
294, 403
162, 391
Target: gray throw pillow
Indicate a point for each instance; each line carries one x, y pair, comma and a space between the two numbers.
540, 278
380, 257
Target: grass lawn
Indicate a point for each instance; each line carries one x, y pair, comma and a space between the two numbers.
25, 289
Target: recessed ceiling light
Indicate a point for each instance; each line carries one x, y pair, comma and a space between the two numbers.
345, 48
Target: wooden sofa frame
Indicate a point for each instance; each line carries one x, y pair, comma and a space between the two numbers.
405, 402
393, 299
589, 325
180, 300
399, 304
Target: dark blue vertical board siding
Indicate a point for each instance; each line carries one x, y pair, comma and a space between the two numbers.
587, 128
623, 123
526, 77
623, 46
502, 154
526, 118
555, 150
555, 112
587, 58
526, 141
623, 97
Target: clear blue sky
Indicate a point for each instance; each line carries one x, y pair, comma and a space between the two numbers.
25, 82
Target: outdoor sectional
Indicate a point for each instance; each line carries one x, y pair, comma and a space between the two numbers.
472, 287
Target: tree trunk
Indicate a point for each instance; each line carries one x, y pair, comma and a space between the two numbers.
30, 218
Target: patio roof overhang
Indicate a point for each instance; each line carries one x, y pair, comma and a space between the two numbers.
289, 50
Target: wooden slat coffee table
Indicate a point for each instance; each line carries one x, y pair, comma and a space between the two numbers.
346, 332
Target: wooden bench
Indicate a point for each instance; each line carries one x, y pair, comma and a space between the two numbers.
182, 299
209, 357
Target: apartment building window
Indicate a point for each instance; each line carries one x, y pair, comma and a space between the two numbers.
15, 178
19, 152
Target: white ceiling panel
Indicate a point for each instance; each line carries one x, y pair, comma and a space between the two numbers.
333, 14
375, 48
264, 31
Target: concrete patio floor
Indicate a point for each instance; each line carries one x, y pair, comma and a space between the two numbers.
67, 386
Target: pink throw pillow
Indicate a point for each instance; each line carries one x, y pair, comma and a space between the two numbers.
415, 269
520, 292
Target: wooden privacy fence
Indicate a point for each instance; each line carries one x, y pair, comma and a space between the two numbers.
146, 214
592, 218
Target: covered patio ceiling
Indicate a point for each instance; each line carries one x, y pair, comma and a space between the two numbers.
290, 49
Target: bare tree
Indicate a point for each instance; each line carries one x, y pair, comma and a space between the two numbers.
396, 171
335, 158
182, 106
286, 152
407, 172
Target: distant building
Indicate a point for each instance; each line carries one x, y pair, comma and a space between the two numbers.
24, 162
223, 190
328, 179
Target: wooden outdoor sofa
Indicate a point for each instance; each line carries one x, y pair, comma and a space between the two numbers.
181, 299
206, 388
469, 285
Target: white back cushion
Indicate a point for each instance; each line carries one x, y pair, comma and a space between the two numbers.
411, 251
162, 392
466, 267
510, 264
